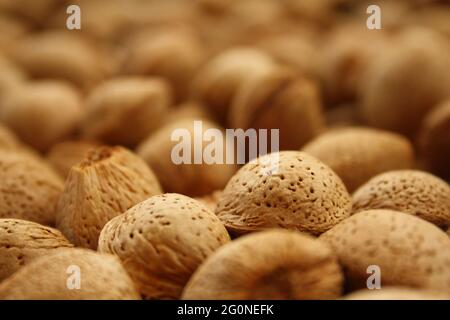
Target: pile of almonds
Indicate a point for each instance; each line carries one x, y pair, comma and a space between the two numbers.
92, 205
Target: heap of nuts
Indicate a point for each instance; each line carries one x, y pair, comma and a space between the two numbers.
115, 182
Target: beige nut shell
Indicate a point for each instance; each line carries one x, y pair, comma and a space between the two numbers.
303, 194
396, 293
408, 250
109, 181
357, 154
162, 240
410, 191
23, 241
53, 277
8, 139
275, 264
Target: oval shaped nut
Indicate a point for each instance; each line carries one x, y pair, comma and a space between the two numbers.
125, 110
10, 74
289, 189
109, 181
23, 241
70, 274
409, 191
357, 154
161, 242
397, 293
29, 188
407, 250
42, 113
8, 139
275, 264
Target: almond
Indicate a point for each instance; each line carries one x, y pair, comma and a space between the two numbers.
396, 293
275, 264
10, 74
211, 199
8, 139
109, 181
162, 240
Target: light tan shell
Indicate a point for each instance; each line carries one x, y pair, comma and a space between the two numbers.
302, 194
275, 264
23, 241
396, 293
53, 277
162, 240
109, 181
410, 191
211, 199
8, 139
29, 188
189, 179
42, 113
125, 110
10, 74
187, 110
357, 154
277, 99
409, 251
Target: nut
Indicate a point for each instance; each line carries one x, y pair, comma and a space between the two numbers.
8, 139
10, 75
396, 293
109, 181
275, 264
162, 240
23, 241
211, 199
409, 251
357, 154
304, 194
409, 191
102, 277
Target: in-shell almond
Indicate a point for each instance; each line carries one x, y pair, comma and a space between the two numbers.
8, 139
302, 194
410, 191
161, 242
275, 264
23, 241
407, 250
109, 181
70, 274
357, 154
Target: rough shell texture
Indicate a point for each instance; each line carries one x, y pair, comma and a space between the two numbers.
303, 194
396, 293
409, 251
161, 242
409, 191
109, 181
29, 189
276, 264
23, 241
358, 154
54, 277
125, 110
186, 178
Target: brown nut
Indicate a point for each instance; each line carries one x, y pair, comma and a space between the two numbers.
357, 154
109, 181
23, 241
10, 75
125, 110
303, 194
162, 240
409, 191
42, 113
29, 188
396, 293
55, 277
36, 11
408, 251
8, 139
211, 199
275, 264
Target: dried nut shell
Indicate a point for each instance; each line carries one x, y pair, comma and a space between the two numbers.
54, 277
275, 264
358, 154
109, 181
10, 74
211, 199
29, 189
23, 241
303, 194
185, 178
34, 11
434, 140
278, 99
396, 293
42, 113
409, 251
409, 191
162, 240
187, 110
126, 110
8, 139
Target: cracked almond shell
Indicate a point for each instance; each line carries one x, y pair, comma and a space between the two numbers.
109, 181
162, 240
275, 264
